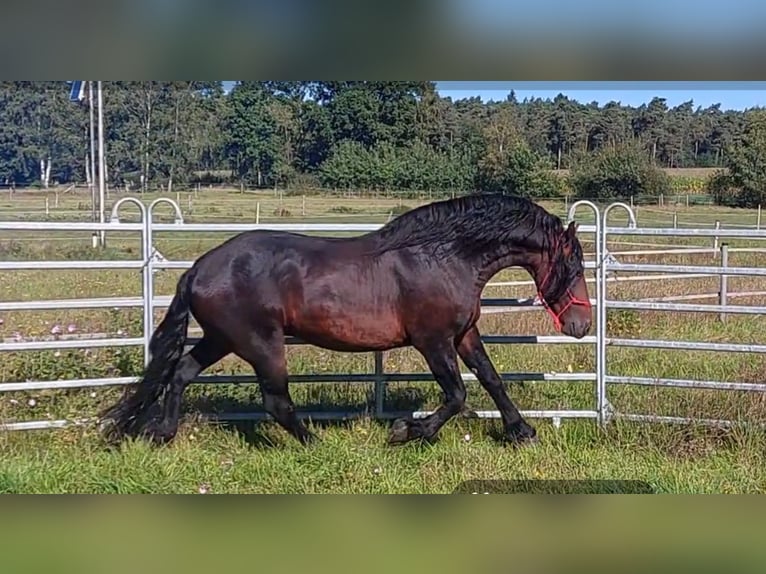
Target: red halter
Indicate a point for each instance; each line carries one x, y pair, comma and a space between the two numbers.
572, 299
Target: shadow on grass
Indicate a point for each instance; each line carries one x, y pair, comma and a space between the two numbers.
245, 415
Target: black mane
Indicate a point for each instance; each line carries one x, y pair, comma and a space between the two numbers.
477, 224
472, 223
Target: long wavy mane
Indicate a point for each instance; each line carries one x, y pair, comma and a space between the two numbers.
476, 224
471, 222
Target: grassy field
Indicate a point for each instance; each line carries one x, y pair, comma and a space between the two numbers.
352, 456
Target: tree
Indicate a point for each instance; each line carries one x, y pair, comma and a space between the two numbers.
282, 132
43, 134
509, 164
252, 146
745, 183
649, 124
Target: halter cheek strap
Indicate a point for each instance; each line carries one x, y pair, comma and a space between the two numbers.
571, 300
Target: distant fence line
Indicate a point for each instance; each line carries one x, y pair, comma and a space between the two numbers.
603, 266
676, 199
299, 207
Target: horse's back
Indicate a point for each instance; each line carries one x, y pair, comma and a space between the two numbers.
328, 291
335, 293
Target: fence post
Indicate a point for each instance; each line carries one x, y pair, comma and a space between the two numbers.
600, 390
146, 271
715, 241
380, 383
723, 279
601, 298
149, 268
758, 221
675, 220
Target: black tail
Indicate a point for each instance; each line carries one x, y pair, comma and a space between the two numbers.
135, 408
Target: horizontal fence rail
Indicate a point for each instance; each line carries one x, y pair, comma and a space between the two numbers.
606, 266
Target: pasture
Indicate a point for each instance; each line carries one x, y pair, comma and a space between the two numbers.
352, 456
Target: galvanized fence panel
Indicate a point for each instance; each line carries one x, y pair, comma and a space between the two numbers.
611, 264
148, 264
603, 266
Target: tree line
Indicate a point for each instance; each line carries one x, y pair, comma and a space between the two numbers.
375, 135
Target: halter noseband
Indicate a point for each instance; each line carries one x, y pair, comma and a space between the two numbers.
572, 299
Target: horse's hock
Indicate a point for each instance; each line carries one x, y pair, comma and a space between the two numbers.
606, 266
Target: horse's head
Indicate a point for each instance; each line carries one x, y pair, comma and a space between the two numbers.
561, 284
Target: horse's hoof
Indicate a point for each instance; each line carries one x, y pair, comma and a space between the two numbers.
400, 432
522, 435
109, 430
158, 433
106, 426
469, 414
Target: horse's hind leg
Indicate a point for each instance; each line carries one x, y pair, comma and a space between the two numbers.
266, 354
206, 352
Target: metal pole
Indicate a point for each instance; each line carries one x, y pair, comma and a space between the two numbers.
601, 292
146, 270
600, 390
102, 163
601, 295
380, 384
92, 155
148, 251
723, 280
715, 240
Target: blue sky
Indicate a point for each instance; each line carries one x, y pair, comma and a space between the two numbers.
731, 95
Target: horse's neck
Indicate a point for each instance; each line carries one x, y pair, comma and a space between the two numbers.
491, 264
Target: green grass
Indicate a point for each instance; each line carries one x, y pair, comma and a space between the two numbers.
353, 456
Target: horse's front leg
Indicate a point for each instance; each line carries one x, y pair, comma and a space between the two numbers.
474, 355
442, 360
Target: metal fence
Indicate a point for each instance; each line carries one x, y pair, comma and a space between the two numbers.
604, 263
611, 264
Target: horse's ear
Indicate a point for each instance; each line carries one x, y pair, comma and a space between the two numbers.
571, 229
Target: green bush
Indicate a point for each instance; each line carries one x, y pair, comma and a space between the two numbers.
619, 172
519, 170
383, 166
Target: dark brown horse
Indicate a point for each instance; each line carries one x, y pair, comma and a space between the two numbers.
416, 282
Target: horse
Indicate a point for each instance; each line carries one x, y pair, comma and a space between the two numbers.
416, 281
